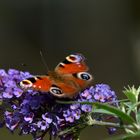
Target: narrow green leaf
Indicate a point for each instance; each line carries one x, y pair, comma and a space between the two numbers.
129, 131
132, 93
122, 107
138, 117
133, 108
128, 104
103, 111
131, 96
115, 111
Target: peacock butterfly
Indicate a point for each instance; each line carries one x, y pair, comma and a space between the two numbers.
68, 78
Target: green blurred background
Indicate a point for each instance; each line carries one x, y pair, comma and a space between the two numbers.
107, 32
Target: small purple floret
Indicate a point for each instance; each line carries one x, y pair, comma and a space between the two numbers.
43, 125
47, 117
29, 117
86, 108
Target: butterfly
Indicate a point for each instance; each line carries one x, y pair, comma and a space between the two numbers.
68, 78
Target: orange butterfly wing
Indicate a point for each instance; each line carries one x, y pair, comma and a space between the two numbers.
68, 78
70, 66
42, 83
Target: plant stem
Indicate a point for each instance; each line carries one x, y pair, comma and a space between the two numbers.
91, 122
95, 122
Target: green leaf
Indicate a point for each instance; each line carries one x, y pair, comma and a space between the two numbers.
113, 110
138, 117
128, 104
122, 107
133, 108
131, 96
129, 131
103, 111
132, 93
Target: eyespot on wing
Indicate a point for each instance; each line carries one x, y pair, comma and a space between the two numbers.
41, 83
72, 64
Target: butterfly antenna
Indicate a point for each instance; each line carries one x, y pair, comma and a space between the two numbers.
43, 61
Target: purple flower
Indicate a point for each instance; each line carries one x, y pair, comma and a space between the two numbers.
25, 128
69, 116
86, 108
74, 106
14, 107
34, 127
29, 117
17, 92
12, 120
10, 84
43, 125
34, 102
76, 114
103, 93
112, 130
13, 72
55, 127
47, 117
3, 73
8, 93
36, 113
86, 94
24, 75
24, 109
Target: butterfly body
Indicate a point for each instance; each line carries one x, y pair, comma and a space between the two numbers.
68, 78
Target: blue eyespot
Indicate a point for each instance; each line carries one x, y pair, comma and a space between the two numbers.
84, 76
55, 90
74, 58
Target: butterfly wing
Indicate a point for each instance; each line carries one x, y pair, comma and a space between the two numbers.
75, 69
42, 83
68, 78
73, 63
57, 87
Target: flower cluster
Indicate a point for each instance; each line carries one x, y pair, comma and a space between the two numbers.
38, 113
